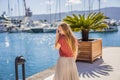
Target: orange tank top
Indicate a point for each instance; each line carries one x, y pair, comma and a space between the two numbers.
65, 50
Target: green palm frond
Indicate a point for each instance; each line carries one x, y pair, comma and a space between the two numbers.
93, 21
75, 17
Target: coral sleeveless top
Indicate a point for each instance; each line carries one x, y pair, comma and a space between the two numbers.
65, 50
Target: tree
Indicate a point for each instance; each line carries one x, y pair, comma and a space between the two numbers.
93, 21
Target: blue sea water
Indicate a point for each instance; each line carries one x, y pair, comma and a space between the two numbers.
38, 50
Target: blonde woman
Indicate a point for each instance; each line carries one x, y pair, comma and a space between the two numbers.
67, 45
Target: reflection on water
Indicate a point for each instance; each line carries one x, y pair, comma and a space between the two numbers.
7, 44
38, 50
7, 61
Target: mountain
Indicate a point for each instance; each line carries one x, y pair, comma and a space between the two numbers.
111, 12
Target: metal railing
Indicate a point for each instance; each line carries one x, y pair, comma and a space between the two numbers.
19, 60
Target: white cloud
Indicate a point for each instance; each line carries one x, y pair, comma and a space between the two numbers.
49, 3
71, 2
104, 0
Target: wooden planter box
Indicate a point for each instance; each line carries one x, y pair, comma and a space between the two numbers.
89, 50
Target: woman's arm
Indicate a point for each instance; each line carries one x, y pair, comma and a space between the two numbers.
76, 53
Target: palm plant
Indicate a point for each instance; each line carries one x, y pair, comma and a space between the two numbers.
94, 21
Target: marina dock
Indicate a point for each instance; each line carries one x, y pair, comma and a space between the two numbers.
107, 68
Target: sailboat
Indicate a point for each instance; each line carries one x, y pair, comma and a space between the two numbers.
3, 23
52, 27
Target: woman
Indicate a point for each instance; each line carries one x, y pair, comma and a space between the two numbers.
67, 45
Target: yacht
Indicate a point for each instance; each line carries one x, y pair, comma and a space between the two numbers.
4, 21
52, 28
49, 29
109, 29
34, 27
3, 28
112, 26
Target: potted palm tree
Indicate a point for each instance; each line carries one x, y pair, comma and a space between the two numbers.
88, 49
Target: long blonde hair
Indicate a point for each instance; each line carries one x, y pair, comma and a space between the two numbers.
69, 36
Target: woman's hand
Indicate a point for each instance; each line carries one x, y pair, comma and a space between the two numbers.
57, 37
57, 32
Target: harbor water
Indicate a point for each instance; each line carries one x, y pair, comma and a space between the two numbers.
38, 50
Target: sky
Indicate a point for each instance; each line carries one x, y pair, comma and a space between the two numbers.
52, 6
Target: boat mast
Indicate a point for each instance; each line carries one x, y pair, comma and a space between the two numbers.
18, 8
9, 8
50, 10
56, 11
71, 8
84, 6
92, 5
59, 9
25, 7
89, 6
68, 6
28, 12
99, 5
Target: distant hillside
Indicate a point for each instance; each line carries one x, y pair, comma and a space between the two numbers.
111, 12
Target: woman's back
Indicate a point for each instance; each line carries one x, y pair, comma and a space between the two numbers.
65, 50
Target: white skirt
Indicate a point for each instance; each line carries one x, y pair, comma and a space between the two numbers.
66, 69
